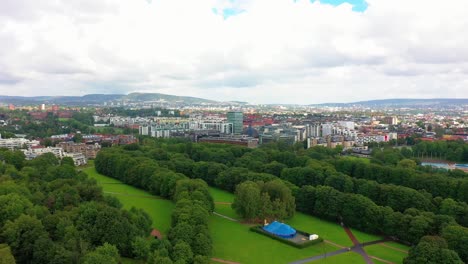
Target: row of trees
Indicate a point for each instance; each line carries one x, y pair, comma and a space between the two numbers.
449, 150
189, 238
399, 198
437, 185
316, 166
50, 213
360, 212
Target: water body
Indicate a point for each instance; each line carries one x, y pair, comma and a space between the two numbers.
445, 165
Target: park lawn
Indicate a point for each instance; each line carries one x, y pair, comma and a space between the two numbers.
158, 209
225, 209
364, 237
221, 195
385, 253
345, 258
398, 245
63, 119
328, 230
234, 241
325, 229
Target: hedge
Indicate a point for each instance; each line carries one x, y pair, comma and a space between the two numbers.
258, 229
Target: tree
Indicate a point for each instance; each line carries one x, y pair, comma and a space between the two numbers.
432, 250
247, 200
12, 206
407, 164
141, 248
106, 253
182, 252
5, 255
457, 239
22, 234
67, 161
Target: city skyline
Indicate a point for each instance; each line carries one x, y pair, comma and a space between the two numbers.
292, 52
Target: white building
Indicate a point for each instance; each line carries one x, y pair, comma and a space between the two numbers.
17, 143
32, 153
78, 158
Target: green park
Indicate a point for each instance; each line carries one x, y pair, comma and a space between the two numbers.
233, 242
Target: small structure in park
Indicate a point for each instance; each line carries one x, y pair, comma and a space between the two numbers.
156, 234
280, 229
286, 234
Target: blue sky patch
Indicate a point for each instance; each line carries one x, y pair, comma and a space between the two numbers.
358, 5
228, 12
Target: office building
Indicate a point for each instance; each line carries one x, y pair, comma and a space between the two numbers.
237, 121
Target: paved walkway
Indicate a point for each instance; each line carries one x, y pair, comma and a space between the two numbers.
224, 261
357, 247
226, 217
137, 195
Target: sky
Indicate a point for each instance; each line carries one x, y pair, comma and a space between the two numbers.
259, 51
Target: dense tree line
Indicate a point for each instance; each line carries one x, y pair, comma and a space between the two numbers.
399, 198
323, 184
50, 213
437, 185
447, 150
189, 240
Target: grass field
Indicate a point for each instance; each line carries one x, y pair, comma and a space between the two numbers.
234, 241
387, 253
159, 209
345, 258
221, 196
364, 237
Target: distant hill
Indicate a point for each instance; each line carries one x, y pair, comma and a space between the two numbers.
93, 99
402, 102
144, 97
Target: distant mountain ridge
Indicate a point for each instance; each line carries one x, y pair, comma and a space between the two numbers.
101, 98
402, 102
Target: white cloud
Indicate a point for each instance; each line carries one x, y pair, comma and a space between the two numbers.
274, 51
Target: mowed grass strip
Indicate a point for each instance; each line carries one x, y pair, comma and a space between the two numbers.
225, 209
397, 245
365, 237
235, 242
345, 258
325, 229
157, 208
385, 253
221, 195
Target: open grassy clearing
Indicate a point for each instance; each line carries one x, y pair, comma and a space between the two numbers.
225, 209
327, 230
221, 196
159, 209
365, 237
385, 253
235, 242
345, 258
397, 245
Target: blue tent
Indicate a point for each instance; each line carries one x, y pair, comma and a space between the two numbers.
280, 229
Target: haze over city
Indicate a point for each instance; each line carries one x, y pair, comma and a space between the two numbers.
257, 51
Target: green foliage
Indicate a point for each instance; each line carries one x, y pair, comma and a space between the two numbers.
5, 255
432, 250
270, 200
106, 253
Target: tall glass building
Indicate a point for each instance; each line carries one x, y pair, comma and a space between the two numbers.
237, 120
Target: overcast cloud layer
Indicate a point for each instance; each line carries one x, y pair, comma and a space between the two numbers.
260, 51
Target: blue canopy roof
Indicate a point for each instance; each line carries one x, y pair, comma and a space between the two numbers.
280, 229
